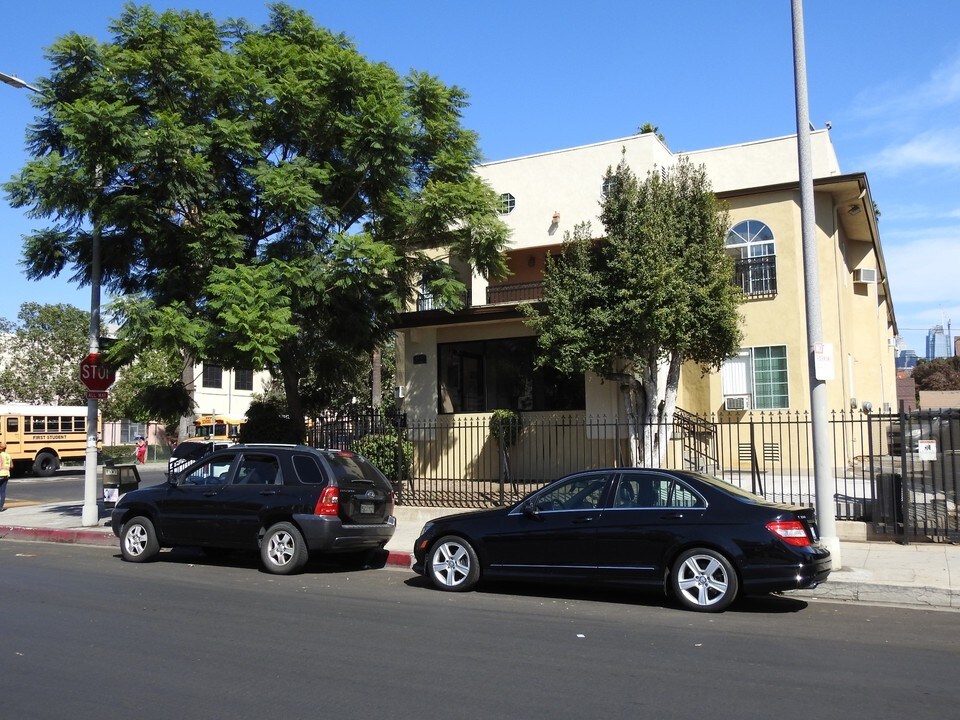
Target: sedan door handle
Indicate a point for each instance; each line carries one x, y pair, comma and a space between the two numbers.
581, 520
671, 516
268, 492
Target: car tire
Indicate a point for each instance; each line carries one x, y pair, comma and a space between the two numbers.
704, 580
283, 550
452, 564
138, 540
45, 464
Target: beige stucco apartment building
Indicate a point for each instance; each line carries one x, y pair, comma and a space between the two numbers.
479, 359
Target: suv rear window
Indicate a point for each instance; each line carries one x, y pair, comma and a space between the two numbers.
350, 467
308, 469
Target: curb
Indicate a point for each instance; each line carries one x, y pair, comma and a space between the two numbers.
884, 593
77, 537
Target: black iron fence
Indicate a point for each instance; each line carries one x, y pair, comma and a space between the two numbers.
900, 472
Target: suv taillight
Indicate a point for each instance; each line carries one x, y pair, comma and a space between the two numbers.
392, 503
791, 532
329, 501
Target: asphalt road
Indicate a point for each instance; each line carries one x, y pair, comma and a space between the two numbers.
85, 635
67, 485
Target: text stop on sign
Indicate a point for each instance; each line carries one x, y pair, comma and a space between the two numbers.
96, 375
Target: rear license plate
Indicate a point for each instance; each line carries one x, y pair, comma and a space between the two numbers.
367, 508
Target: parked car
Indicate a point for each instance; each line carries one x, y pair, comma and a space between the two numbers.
289, 501
940, 426
190, 450
697, 537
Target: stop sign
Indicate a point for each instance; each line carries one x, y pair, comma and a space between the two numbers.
96, 375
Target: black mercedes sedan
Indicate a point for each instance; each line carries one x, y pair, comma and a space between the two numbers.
701, 539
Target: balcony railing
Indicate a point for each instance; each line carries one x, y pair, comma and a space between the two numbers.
514, 293
756, 276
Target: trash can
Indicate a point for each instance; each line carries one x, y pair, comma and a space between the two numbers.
117, 480
888, 505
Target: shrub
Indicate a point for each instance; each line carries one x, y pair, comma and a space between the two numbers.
505, 427
381, 450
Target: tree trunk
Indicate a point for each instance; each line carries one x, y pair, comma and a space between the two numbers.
291, 387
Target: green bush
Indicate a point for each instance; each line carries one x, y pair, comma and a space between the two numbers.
505, 427
118, 454
381, 450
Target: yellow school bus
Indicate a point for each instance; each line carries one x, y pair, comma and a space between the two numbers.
217, 427
41, 437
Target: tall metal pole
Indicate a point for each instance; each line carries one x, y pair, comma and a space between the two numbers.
822, 471
91, 509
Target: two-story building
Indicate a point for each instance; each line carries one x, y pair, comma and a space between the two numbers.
481, 358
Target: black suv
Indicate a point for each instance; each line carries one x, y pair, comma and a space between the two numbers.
288, 500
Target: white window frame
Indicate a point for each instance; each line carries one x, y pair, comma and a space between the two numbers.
738, 376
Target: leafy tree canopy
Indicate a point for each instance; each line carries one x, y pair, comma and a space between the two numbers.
654, 293
41, 359
938, 374
267, 197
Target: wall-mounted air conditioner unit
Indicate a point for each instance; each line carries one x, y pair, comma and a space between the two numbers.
736, 402
865, 275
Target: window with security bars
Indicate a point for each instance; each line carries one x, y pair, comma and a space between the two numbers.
751, 245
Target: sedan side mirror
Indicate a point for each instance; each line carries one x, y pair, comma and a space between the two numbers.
530, 509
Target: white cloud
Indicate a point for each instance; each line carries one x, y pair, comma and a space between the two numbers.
939, 148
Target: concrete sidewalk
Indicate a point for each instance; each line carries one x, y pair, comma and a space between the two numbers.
921, 574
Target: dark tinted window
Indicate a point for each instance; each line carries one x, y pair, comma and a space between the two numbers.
349, 467
257, 470
308, 469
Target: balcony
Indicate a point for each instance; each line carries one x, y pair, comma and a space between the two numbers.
515, 292
756, 276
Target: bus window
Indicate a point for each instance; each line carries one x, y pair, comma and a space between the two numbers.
13, 425
39, 424
53, 424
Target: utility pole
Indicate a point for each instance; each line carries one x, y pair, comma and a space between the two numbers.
91, 509
822, 467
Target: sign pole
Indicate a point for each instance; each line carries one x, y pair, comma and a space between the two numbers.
91, 508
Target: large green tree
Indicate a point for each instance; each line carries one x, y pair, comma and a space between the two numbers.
266, 197
42, 353
938, 374
654, 293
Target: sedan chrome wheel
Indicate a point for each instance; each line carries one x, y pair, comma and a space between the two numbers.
704, 580
453, 565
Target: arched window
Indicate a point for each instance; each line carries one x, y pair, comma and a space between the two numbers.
752, 247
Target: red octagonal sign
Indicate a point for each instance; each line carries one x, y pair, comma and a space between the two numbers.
96, 375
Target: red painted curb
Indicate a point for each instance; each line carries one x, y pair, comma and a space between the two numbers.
78, 537
400, 559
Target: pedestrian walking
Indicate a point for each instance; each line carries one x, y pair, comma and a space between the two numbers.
6, 465
141, 450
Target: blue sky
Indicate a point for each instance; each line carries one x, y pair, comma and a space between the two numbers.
548, 75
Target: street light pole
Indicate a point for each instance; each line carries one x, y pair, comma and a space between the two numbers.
822, 470
91, 510
16, 82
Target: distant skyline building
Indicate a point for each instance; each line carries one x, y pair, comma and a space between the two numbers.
939, 343
907, 360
